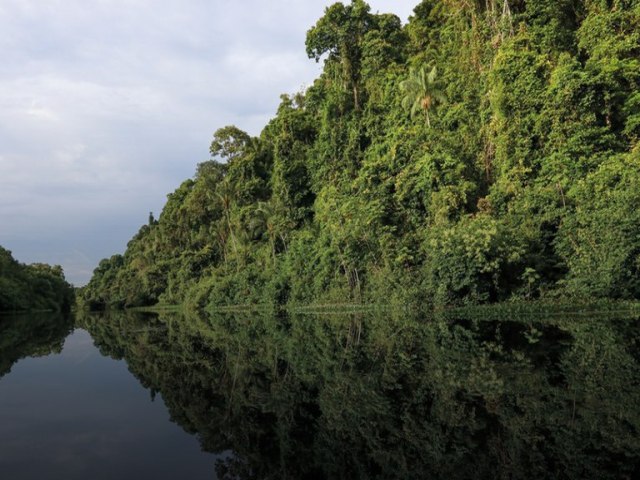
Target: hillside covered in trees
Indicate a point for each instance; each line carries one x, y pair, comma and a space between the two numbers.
32, 287
486, 150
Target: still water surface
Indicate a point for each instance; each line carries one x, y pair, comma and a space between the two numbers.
68, 412
474, 394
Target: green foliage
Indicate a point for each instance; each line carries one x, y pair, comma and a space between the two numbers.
32, 287
476, 259
520, 182
339, 34
601, 239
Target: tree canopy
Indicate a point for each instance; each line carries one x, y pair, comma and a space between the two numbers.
32, 287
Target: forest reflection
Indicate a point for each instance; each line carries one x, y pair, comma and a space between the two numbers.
389, 395
31, 335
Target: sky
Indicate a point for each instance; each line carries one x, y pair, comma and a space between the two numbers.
106, 106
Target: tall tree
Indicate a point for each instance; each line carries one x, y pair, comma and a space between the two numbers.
339, 33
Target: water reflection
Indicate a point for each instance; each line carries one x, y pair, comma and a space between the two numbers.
31, 335
68, 412
390, 396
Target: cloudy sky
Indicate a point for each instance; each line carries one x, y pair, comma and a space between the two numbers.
107, 105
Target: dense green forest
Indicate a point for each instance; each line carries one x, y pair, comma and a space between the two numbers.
486, 150
32, 287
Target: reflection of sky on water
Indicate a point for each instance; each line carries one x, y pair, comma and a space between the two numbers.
81, 415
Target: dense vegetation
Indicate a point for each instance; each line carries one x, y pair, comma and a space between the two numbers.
393, 396
32, 287
487, 149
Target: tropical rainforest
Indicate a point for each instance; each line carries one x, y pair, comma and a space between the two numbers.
486, 150
32, 287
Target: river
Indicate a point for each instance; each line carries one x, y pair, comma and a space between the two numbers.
484, 393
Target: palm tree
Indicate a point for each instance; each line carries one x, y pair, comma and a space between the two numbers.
421, 91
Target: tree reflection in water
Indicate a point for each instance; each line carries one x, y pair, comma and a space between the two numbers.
362, 396
31, 335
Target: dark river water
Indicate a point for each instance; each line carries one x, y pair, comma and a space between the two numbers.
486, 393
